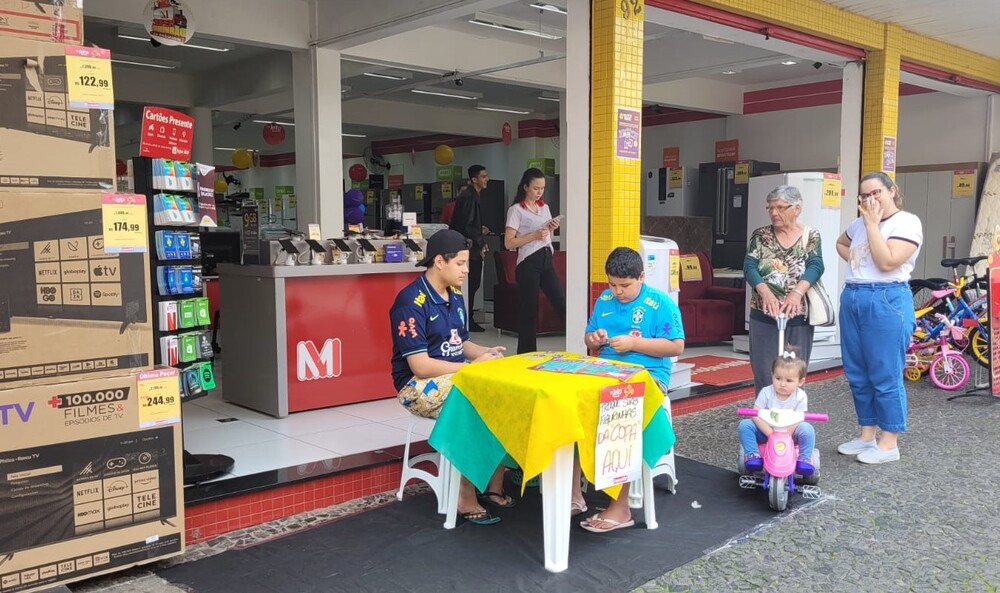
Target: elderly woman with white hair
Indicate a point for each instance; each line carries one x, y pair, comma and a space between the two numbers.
780, 266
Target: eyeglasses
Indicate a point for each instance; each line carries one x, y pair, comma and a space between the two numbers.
875, 193
771, 209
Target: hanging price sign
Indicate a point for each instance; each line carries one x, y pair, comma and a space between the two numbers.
831, 191
159, 397
124, 220
88, 78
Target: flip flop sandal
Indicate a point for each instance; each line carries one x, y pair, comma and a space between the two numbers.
486, 498
480, 517
576, 508
586, 524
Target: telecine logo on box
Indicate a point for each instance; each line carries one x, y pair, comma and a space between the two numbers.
312, 363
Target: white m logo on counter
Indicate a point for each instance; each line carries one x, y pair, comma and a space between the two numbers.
312, 364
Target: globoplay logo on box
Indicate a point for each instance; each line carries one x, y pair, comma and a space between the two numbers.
101, 405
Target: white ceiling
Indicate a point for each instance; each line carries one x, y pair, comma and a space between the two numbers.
678, 48
972, 24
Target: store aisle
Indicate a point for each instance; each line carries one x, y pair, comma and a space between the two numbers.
259, 442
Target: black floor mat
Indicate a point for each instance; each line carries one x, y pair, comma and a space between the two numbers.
402, 547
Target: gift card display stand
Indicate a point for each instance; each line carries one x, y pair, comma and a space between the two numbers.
182, 332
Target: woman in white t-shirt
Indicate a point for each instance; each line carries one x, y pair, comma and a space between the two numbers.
529, 231
876, 314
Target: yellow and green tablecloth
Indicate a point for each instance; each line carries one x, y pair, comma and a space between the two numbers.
502, 407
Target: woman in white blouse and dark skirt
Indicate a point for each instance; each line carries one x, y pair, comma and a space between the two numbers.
529, 231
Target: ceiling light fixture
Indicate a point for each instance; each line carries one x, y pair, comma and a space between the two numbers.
271, 121
502, 109
789, 63
716, 39
349, 135
345, 88
222, 148
464, 95
144, 62
140, 35
548, 7
546, 97
729, 71
514, 29
389, 73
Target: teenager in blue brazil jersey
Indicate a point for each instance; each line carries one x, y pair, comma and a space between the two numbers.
635, 323
430, 343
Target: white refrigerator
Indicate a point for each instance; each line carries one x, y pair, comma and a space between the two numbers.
825, 218
671, 192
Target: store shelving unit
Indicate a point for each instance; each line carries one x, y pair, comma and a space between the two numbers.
189, 328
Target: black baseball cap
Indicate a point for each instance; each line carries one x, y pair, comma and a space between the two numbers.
441, 243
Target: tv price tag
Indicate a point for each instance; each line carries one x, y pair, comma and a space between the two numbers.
124, 221
159, 397
88, 78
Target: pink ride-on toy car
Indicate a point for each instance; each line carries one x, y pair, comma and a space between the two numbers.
780, 454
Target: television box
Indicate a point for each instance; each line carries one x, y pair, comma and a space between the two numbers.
84, 488
44, 143
43, 20
67, 308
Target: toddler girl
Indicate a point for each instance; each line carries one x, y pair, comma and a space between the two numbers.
788, 374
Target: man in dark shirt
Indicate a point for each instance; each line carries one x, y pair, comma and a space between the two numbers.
467, 219
430, 343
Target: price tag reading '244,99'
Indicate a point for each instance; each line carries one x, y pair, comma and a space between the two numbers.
124, 221
159, 397
88, 78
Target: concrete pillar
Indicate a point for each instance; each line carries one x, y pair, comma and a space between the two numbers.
319, 162
616, 107
851, 112
881, 105
202, 148
575, 172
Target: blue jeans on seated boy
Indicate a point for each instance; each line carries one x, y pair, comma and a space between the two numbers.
751, 436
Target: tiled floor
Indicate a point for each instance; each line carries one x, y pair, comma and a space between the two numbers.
258, 442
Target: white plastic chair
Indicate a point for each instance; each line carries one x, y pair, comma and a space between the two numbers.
666, 466
438, 483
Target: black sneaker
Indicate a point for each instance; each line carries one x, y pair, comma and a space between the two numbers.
475, 327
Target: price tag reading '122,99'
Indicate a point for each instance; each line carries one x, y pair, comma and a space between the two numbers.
88, 78
124, 222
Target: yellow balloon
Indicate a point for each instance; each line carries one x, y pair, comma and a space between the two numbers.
221, 186
242, 159
443, 154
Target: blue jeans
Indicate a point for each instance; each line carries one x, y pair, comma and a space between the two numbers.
876, 322
751, 436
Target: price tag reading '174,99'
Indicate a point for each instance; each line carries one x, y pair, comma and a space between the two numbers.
88, 78
124, 222
159, 397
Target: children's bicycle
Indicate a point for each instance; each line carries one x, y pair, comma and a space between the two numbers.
948, 369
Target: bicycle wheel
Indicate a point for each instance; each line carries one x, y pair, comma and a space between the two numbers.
949, 371
921, 289
912, 373
979, 343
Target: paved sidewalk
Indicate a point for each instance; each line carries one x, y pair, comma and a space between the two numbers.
928, 523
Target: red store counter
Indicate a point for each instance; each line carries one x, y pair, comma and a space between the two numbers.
305, 337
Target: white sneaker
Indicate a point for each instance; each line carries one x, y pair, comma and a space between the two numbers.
856, 446
876, 455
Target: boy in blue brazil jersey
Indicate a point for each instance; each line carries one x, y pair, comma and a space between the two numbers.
635, 323
430, 343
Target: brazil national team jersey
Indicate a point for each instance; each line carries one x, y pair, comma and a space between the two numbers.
424, 322
652, 314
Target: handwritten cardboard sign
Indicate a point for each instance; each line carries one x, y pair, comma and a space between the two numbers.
618, 452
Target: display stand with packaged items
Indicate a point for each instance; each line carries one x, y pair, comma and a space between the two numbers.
180, 314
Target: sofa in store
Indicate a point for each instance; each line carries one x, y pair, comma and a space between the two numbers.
710, 313
507, 307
